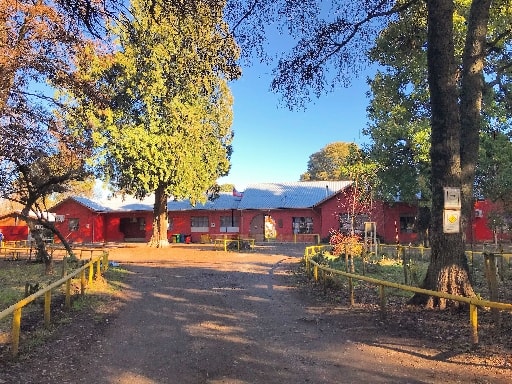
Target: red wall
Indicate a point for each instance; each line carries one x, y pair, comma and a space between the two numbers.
480, 230
135, 226
13, 228
386, 216
90, 228
14, 232
182, 223
108, 227
387, 219
331, 210
283, 219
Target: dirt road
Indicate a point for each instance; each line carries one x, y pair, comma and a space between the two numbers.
193, 316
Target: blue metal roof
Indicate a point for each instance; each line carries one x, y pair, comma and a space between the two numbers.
92, 205
225, 201
303, 194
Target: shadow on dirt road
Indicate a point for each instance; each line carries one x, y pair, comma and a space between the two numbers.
193, 316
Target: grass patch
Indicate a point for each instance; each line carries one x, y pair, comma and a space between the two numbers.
97, 301
412, 271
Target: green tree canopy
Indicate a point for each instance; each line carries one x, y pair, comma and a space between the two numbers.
167, 126
327, 163
400, 109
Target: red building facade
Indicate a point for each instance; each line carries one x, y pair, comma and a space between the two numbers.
301, 212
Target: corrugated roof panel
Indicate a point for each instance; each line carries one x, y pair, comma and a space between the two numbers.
225, 201
128, 203
92, 205
304, 194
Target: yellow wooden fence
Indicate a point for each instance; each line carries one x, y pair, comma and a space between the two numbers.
99, 263
320, 271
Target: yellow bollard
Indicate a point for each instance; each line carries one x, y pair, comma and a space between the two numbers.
105, 261
91, 272
473, 319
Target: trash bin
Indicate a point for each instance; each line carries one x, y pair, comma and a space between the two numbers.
177, 238
182, 238
188, 239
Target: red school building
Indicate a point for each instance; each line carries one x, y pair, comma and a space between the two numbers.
285, 212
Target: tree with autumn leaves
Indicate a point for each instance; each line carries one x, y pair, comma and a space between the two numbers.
39, 155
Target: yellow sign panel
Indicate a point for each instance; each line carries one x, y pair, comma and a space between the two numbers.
451, 221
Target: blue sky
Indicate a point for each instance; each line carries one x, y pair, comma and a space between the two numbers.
272, 143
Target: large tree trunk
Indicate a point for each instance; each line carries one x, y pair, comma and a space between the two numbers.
42, 253
160, 219
473, 61
448, 271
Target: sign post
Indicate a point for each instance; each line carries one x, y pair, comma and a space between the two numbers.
452, 210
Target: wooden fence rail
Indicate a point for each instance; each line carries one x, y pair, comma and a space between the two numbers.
100, 263
313, 268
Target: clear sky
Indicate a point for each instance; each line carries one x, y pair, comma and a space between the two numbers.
272, 143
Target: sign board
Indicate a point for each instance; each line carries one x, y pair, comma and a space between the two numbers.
452, 198
451, 221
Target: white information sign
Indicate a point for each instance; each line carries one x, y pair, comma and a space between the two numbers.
452, 198
451, 221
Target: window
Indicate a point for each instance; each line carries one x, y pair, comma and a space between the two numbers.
229, 223
346, 223
302, 225
73, 224
170, 224
407, 224
199, 224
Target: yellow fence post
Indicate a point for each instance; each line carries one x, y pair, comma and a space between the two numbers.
91, 272
315, 272
47, 307
473, 319
98, 269
15, 334
105, 261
